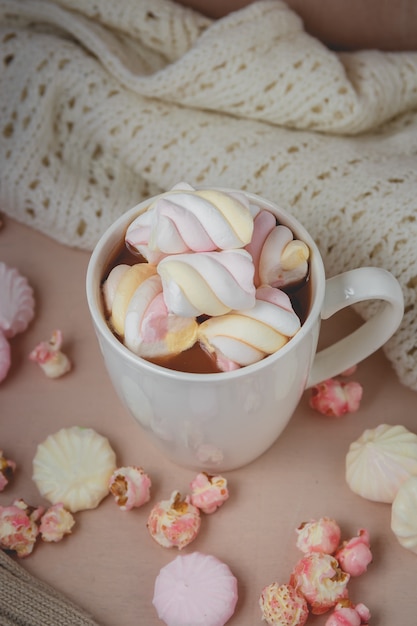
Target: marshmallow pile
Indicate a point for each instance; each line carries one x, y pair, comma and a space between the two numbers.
215, 265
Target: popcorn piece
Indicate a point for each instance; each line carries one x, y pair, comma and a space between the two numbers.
379, 462
283, 605
5, 357
17, 304
56, 523
50, 358
319, 578
73, 466
174, 522
195, 590
7, 469
208, 492
403, 514
130, 487
346, 614
335, 398
355, 555
19, 527
322, 535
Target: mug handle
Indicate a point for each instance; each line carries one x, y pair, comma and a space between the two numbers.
343, 290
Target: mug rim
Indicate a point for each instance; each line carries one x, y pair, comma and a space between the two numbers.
109, 242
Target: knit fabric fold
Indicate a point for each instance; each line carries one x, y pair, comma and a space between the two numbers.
27, 601
105, 104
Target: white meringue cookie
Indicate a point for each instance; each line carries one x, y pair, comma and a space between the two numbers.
404, 514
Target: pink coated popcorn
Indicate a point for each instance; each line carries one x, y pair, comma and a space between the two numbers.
7, 469
283, 605
56, 523
130, 487
50, 358
321, 535
321, 581
335, 398
174, 522
19, 527
208, 492
355, 555
346, 614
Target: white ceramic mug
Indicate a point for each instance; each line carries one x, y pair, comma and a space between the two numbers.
218, 422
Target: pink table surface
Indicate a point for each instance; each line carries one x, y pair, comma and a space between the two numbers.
109, 564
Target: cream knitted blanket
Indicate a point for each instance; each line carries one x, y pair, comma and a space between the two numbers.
104, 103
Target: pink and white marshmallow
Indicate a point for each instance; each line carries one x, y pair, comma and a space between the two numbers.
207, 283
185, 220
134, 299
130, 487
243, 337
279, 259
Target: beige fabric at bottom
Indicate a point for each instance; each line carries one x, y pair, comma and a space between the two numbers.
27, 601
104, 104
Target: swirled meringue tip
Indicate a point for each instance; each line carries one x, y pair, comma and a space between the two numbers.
17, 302
50, 358
195, 590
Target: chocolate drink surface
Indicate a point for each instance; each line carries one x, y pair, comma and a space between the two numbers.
196, 359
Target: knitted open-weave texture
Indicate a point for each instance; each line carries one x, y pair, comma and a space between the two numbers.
106, 103
27, 601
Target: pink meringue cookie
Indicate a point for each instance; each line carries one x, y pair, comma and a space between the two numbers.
195, 590
322, 535
279, 258
207, 283
5, 357
321, 581
7, 469
130, 487
335, 398
17, 303
347, 614
50, 358
208, 492
19, 527
185, 220
355, 555
174, 522
55, 523
283, 605
139, 314
247, 336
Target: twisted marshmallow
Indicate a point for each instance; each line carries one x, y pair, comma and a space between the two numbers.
185, 220
243, 337
134, 299
207, 283
279, 259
